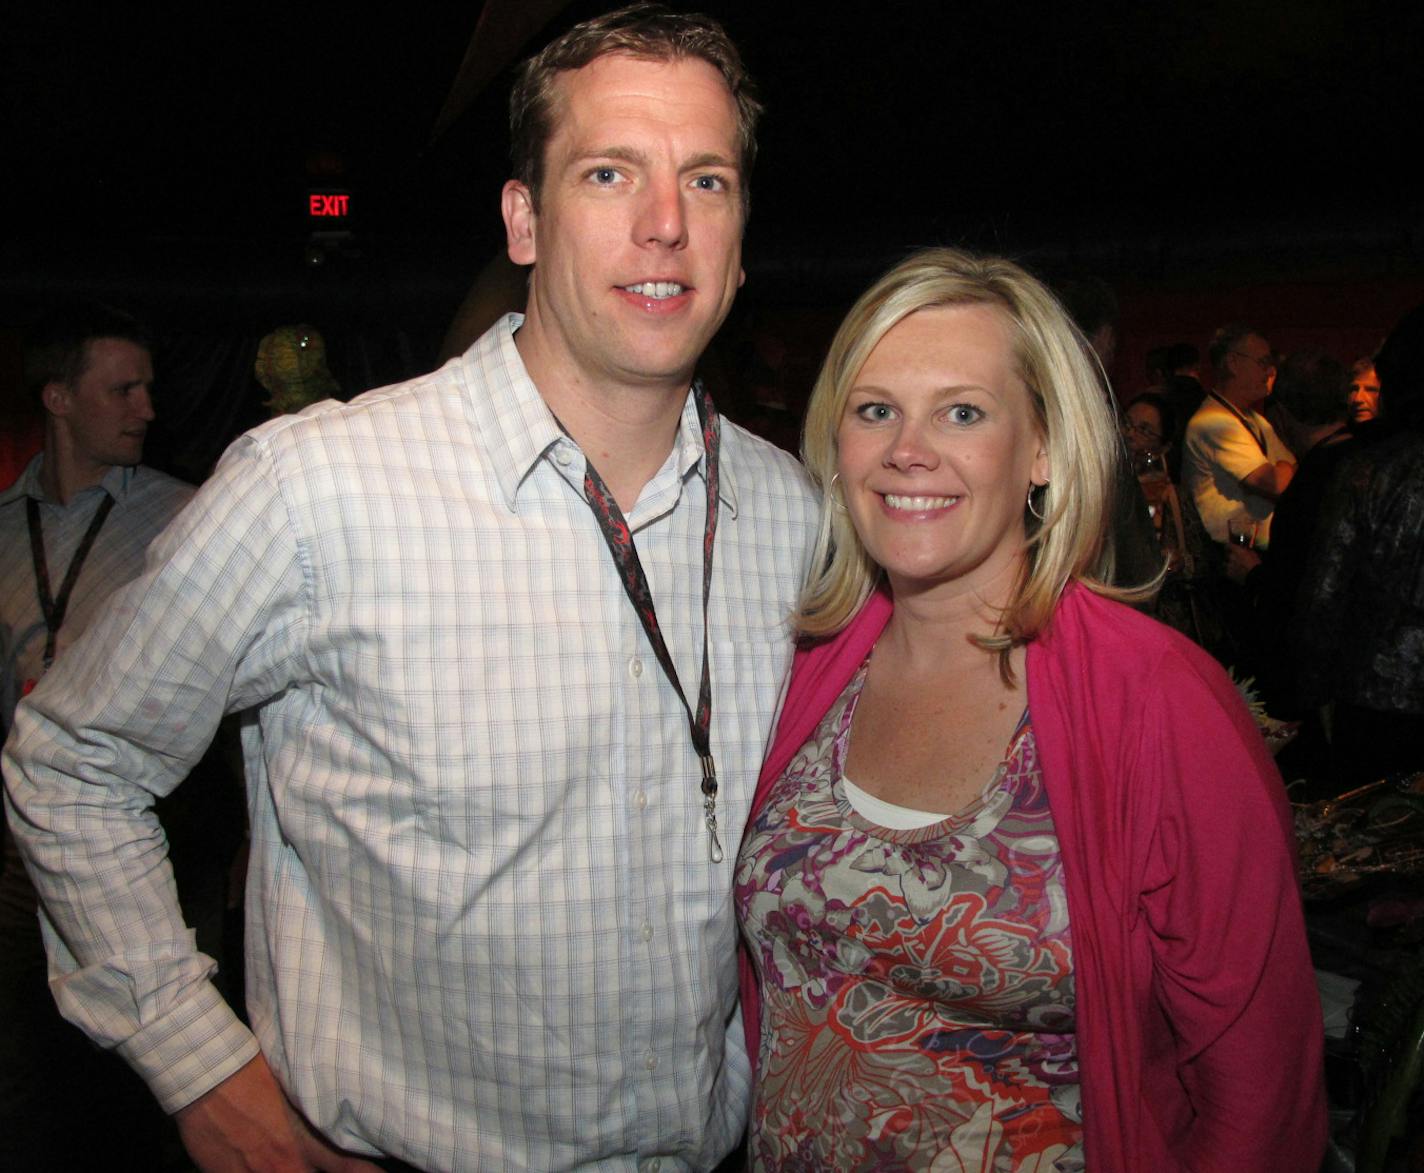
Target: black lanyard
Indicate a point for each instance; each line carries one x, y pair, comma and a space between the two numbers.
619, 537
54, 608
1245, 423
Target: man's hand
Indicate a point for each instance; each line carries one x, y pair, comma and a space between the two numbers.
246, 1125
1240, 562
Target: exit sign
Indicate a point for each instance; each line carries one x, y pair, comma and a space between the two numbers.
332, 207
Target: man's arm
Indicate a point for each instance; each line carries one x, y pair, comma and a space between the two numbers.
1270, 480
214, 623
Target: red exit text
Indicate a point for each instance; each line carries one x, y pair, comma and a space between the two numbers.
321, 204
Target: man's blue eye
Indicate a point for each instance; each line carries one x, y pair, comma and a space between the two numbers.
709, 182
605, 175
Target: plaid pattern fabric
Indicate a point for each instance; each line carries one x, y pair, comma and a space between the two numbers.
483, 927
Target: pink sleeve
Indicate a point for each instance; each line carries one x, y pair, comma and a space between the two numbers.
1199, 1029
1232, 972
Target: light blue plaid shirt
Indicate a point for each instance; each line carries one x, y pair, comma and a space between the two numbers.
483, 929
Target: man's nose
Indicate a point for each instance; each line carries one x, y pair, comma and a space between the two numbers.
662, 217
141, 403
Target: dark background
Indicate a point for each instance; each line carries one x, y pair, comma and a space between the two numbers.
1209, 160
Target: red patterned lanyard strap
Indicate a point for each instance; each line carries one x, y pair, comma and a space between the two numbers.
51, 607
619, 537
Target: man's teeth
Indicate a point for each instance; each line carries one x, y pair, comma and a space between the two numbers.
657, 290
918, 504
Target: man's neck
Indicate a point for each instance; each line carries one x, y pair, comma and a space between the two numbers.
626, 432
62, 477
1242, 400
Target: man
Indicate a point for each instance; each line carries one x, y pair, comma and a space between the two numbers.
1359, 633
489, 915
1364, 391
1309, 408
75, 526
1235, 465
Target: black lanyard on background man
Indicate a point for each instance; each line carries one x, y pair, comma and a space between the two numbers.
53, 608
619, 537
1245, 423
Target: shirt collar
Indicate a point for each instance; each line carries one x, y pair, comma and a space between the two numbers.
115, 482
517, 429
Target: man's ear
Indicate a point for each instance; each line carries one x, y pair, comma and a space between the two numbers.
56, 398
517, 205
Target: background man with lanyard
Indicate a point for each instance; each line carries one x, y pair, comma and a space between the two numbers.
1236, 467
74, 527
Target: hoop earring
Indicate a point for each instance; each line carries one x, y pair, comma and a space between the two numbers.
1031, 509
836, 502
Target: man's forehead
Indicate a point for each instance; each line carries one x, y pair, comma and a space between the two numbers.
621, 87
117, 357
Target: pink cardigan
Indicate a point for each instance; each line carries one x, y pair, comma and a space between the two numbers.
1199, 1031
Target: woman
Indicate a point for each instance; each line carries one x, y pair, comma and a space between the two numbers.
1084, 947
1148, 427
1187, 598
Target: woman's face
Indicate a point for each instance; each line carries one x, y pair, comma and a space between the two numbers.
1364, 396
1144, 429
938, 446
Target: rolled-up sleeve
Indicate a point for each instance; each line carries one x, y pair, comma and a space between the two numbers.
215, 624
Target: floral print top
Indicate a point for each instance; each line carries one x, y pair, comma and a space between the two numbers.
917, 986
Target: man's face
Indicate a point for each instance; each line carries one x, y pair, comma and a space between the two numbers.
636, 241
1364, 395
1252, 367
107, 409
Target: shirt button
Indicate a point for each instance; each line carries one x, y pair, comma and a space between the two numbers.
650, 1061
563, 457
640, 800
635, 667
647, 931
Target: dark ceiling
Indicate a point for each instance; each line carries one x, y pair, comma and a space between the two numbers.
173, 143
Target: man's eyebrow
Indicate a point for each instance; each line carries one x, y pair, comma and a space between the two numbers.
709, 159
623, 154
633, 155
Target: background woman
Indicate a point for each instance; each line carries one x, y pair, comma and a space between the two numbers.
990, 928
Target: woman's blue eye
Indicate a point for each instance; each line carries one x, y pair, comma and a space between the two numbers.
874, 412
965, 413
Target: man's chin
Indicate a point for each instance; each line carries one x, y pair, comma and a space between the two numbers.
128, 457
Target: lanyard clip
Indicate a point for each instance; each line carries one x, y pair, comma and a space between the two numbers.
709, 808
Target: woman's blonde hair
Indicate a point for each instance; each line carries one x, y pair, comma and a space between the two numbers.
1072, 412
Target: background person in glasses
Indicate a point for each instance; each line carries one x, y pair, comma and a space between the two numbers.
1235, 466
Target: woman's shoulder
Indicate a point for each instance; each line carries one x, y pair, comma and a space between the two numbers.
1107, 646
1107, 628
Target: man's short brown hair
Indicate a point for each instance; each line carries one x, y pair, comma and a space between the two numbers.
57, 346
647, 31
